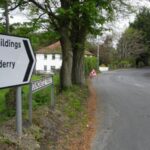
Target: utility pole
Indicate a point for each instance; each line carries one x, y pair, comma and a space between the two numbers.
98, 56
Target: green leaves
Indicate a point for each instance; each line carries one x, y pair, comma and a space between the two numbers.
142, 23
65, 13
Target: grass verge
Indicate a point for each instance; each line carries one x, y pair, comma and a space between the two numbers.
62, 128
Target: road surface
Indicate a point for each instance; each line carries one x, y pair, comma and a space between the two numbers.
123, 110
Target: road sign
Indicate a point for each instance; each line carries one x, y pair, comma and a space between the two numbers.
16, 61
40, 84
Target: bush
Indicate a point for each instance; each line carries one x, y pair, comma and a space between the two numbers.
90, 63
124, 64
10, 102
121, 64
41, 97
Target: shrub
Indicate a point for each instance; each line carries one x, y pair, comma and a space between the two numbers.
90, 63
10, 102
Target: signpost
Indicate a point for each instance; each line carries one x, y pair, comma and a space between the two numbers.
16, 66
38, 85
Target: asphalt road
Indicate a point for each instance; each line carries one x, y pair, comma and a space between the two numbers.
123, 110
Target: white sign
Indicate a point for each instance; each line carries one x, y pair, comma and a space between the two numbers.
17, 61
40, 84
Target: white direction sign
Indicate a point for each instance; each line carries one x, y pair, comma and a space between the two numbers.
17, 61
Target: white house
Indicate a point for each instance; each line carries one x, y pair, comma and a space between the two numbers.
49, 58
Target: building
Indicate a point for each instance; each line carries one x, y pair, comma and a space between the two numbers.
48, 59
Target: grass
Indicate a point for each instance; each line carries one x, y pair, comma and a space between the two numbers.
74, 100
41, 97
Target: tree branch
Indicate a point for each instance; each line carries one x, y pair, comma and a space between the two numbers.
17, 5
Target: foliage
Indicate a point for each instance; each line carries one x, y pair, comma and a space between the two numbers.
121, 64
142, 23
10, 102
91, 47
42, 97
106, 51
2, 28
38, 39
90, 63
134, 43
131, 44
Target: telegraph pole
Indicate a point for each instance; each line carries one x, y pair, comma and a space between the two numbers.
98, 56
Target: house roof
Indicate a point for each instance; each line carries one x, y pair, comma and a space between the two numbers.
55, 48
51, 49
88, 53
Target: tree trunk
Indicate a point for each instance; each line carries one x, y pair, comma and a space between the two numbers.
78, 46
78, 76
66, 69
7, 17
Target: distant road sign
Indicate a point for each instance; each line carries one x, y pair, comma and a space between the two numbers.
17, 61
40, 84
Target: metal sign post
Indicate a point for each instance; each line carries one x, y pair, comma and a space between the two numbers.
19, 111
38, 85
30, 103
52, 95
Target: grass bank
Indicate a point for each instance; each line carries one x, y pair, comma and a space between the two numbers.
60, 129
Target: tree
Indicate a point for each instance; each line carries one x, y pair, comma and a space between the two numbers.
106, 51
59, 18
142, 23
4, 4
29, 29
131, 45
7, 6
88, 16
73, 20
134, 43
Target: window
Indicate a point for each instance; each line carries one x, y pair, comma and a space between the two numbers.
53, 56
53, 68
45, 68
45, 56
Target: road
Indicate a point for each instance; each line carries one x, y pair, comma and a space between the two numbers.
123, 110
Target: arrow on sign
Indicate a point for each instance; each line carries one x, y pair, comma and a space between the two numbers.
30, 60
